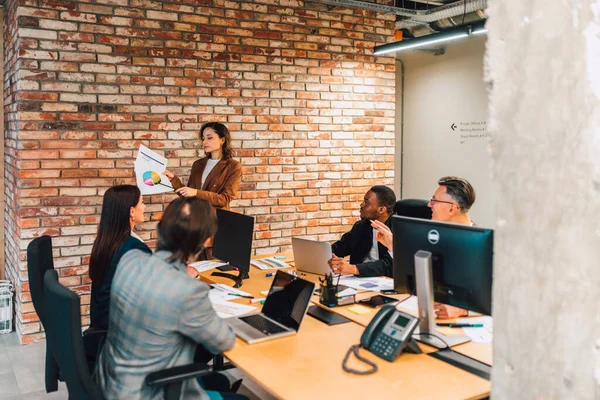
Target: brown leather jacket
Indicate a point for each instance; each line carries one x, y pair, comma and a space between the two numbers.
222, 183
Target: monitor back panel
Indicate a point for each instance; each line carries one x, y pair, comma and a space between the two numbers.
462, 258
233, 240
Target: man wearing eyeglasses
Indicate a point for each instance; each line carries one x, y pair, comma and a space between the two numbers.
452, 200
450, 203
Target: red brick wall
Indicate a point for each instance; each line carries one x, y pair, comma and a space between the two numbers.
310, 108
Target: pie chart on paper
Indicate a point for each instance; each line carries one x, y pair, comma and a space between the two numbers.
151, 178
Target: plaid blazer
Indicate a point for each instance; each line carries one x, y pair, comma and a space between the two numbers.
157, 316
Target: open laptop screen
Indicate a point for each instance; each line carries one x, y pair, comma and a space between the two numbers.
288, 299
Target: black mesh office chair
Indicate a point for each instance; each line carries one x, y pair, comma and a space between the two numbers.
39, 260
414, 208
63, 331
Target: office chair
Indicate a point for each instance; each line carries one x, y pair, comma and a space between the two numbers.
414, 208
63, 331
39, 260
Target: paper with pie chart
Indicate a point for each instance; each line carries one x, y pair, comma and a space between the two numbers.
149, 167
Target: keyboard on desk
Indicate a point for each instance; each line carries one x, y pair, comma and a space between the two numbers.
261, 323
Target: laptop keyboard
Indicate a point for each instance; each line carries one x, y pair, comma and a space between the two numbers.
262, 324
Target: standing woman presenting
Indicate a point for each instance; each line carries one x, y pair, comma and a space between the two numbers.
216, 177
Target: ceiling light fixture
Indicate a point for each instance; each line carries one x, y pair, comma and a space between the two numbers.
441, 37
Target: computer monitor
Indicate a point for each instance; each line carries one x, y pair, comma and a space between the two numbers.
233, 244
448, 263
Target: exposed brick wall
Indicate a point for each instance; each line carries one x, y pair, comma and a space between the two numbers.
310, 109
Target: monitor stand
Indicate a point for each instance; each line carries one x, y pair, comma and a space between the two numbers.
426, 329
236, 278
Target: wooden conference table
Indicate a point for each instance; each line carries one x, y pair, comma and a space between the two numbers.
309, 365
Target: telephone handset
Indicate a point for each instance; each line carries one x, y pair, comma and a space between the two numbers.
387, 335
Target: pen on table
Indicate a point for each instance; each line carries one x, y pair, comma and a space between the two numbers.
241, 295
269, 274
461, 325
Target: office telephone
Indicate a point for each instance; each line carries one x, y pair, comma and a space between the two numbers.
387, 335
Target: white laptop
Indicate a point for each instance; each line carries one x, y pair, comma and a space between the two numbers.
311, 256
282, 313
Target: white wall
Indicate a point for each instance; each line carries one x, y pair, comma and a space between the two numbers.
440, 91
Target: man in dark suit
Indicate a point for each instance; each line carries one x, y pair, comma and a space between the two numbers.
368, 257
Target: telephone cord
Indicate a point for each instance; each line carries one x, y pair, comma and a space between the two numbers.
435, 336
354, 349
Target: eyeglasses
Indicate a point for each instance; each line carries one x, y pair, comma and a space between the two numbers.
433, 200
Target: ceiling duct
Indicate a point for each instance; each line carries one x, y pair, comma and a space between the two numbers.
455, 9
431, 15
422, 22
421, 29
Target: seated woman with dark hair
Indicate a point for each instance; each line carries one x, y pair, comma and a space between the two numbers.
159, 316
122, 208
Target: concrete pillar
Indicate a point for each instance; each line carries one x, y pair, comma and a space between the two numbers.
543, 68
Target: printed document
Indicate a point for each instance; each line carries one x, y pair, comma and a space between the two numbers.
373, 284
202, 266
269, 263
149, 167
479, 335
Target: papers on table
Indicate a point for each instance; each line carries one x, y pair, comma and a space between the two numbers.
220, 297
480, 335
218, 294
411, 304
202, 266
346, 292
269, 263
230, 310
373, 284
149, 167
228, 289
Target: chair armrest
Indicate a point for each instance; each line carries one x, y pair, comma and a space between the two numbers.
94, 332
176, 374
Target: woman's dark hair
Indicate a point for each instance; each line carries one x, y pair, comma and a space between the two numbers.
185, 226
223, 132
114, 227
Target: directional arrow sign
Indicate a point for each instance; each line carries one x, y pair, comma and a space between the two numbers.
453, 126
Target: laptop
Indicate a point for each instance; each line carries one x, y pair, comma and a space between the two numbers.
311, 256
282, 313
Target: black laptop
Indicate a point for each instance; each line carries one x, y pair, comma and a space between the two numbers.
282, 313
